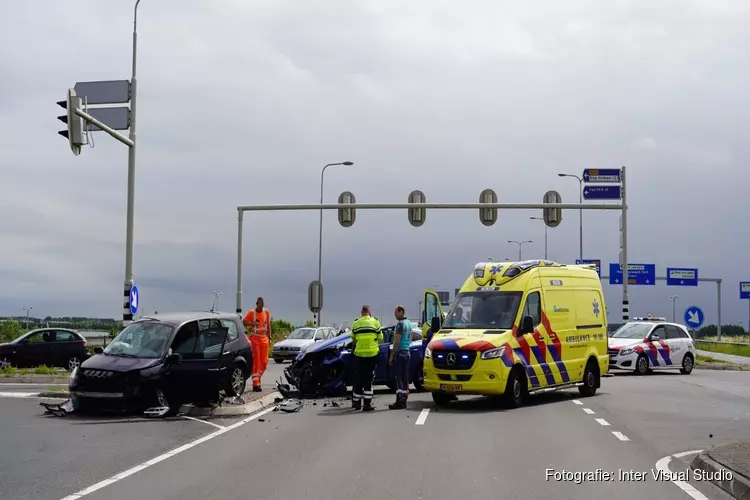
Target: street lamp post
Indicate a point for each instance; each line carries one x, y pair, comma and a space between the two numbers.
674, 308
130, 218
580, 212
520, 246
28, 310
215, 306
320, 233
545, 234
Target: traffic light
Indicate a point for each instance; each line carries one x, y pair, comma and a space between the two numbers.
347, 215
417, 216
74, 132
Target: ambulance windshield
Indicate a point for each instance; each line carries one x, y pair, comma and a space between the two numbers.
491, 310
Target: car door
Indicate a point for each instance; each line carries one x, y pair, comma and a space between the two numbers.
35, 349
384, 351
537, 341
674, 346
197, 376
66, 346
658, 356
431, 308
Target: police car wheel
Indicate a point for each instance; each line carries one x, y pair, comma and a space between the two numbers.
687, 364
641, 365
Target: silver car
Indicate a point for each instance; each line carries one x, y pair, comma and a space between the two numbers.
298, 340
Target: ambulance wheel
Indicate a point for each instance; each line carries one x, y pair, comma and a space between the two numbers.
687, 364
419, 381
641, 365
442, 399
516, 388
590, 379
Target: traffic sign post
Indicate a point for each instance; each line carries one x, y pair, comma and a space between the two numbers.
694, 317
638, 274
682, 276
745, 294
134, 300
596, 262
602, 175
602, 193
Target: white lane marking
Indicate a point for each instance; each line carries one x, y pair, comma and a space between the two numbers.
18, 394
602, 421
577, 402
619, 435
588, 411
663, 465
31, 385
204, 422
122, 475
422, 416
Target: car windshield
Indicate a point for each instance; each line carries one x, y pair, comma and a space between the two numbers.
483, 310
632, 331
302, 334
142, 339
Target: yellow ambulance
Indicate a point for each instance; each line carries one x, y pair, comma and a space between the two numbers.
516, 328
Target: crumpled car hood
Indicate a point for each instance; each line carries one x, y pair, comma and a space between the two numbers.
117, 363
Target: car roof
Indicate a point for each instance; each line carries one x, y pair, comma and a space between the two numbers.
177, 318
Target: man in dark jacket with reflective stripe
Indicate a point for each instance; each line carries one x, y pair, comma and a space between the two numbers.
366, 339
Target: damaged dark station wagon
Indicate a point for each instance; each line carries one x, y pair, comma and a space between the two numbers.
160, 362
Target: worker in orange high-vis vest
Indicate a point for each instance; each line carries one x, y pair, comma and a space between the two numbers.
258, 324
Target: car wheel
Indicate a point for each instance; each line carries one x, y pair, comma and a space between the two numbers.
237, 381
442, 399
590, 379
164, 399
419, 381
516, 388
5, 363
687, 364
641, 365
73, 363
278, 360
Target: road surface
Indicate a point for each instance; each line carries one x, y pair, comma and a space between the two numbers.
471, 450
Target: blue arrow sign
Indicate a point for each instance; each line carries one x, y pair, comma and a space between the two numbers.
694, 317
682, 276
638, 274
602, 193
596, 262
134, 300
745, 289
606, 175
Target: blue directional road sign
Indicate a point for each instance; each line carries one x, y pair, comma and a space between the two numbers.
638, 274
694, 317
596, 262
605, 175
602, 193
134, 300
682, 276
745, 289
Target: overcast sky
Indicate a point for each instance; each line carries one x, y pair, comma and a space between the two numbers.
243, 102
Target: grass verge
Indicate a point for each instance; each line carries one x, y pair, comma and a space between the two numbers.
735, 350
10, 371
706, 359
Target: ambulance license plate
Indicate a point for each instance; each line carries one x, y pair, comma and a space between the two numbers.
451, 387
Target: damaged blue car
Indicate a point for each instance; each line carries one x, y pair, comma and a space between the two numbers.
325, 369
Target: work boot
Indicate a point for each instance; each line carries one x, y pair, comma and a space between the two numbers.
368, 406
257, 388
398, 405
356, 405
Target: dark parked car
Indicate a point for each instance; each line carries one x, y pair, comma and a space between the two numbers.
59, 347
158, 363
327, 368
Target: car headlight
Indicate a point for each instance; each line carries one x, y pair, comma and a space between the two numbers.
493, 353
427, 352
73, 375
625, 352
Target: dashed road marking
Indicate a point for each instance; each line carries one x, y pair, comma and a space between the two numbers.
602, 422
619, 435
204, 422
663, 465
588, 411
145, 465
577, 402
422, 416
18, 394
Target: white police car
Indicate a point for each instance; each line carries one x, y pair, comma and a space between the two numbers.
645, 344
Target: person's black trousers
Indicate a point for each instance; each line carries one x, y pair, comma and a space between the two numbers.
363, 381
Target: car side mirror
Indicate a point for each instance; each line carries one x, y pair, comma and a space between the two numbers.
435, 325
173, 358
98, 350
654, 337
527, 325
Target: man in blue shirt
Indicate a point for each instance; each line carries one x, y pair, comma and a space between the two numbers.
400, 358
